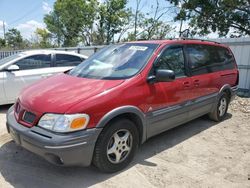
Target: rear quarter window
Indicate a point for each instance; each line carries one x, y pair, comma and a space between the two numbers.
225, 58
64, 60
207, 59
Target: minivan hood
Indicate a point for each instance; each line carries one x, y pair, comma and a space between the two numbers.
58, 93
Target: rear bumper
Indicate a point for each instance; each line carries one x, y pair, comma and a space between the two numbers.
71, 149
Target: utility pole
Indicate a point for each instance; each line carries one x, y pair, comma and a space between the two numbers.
180, 32
3, 30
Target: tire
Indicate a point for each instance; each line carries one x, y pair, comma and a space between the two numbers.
116, 146
220, 111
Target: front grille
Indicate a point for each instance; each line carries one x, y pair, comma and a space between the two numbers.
29, 117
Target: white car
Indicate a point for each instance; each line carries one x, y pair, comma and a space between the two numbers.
20, 70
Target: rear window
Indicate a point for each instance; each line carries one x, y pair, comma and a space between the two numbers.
64, 60
207, 59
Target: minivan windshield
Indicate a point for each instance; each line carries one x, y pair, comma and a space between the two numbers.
118, 61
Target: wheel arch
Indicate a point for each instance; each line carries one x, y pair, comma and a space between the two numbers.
226, 89
130, 112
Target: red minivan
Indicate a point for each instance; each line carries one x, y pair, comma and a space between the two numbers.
102, 110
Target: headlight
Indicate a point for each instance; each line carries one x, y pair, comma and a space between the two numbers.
64, 122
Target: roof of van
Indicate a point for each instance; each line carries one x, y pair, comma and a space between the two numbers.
180, 41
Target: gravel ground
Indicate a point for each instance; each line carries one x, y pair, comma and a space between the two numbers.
200, 153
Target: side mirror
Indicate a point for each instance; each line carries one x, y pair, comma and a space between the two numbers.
12, 68
162, 75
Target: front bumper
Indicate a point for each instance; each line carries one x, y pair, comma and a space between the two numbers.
71, 149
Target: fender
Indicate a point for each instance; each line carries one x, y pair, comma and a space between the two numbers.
233, 91
224, 87
122, 110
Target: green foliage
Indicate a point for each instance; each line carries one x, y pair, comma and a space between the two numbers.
150, 26
216, 16
154, 29
2, 43
43, 38
90, 13
69, 18
92, 22
138, 21
14, 39
55, 26
151, 30
111, 16
128, 23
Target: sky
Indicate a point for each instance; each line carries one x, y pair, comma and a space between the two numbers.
27, 15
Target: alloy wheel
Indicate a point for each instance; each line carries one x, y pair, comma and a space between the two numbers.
222, 106
119, 146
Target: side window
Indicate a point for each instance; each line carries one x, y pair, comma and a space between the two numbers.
207, 59
199, 58
172, 59
225, 59
34, 62
63, 60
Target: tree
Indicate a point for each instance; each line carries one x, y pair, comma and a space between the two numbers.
127, 21
222, 16
111, 16
90, 13
43, 38
2, 43
14, 39
137, 12
69, 18
55, 26
152, 27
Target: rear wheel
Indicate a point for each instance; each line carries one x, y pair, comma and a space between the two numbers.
116, 146
219, 113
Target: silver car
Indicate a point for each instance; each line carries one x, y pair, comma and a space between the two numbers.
20, 70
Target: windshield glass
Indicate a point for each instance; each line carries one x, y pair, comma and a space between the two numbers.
115, 61
10, 58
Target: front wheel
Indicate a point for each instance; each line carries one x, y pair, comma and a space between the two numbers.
116, 146
219, 113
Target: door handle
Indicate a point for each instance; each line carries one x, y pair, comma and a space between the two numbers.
186, 84
196, 83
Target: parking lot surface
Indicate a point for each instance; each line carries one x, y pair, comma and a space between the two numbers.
201, 153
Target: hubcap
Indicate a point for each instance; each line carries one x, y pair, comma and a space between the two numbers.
222, 106
119, 146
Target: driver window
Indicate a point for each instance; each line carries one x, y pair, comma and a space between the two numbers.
172, 59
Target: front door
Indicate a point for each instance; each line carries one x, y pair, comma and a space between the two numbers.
169, 100
2, 92
31, 69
